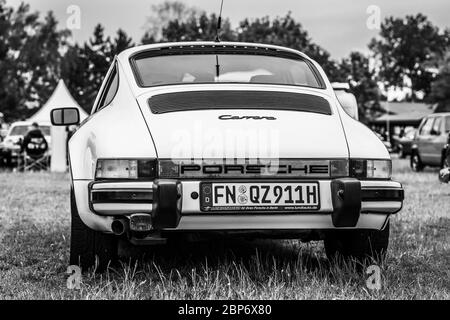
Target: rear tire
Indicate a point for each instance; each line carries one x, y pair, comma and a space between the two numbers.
416, 162
401, 152
361, 245
90, 248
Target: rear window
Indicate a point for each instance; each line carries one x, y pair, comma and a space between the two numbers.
437, 125
19, 131
224, 68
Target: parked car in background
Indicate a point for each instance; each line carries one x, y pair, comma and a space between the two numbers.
428, 147
444, 174
11, 144
446, 162
329, 180
403, 144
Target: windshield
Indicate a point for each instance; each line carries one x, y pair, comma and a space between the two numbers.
223, 68
22, 130
410, 134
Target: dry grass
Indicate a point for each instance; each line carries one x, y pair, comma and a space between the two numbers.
34, 244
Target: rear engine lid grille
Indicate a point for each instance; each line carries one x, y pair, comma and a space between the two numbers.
234, 99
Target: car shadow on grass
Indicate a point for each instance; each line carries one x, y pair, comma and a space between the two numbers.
219, 253
36, 251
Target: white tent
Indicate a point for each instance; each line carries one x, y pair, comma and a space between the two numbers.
60, 98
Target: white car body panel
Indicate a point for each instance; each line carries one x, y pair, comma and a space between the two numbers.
103, 136
362, 142
191, 220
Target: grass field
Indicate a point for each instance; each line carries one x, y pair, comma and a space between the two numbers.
35, 234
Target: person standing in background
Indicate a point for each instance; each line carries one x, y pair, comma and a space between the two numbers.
34, 142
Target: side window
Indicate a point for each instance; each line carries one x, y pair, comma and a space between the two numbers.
110, 90
437, 126
426, 127
447, 124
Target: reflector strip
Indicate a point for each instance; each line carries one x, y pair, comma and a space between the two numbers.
122, 196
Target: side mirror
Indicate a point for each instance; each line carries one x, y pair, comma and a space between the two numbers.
65, 116
346, 99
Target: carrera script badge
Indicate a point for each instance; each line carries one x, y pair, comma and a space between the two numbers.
230, 117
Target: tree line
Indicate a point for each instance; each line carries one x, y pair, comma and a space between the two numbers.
35, 54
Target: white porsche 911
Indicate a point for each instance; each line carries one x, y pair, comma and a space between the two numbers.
232, 138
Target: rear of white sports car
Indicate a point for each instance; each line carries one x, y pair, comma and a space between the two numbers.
226, 138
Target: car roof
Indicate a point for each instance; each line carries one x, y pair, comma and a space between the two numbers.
126, 54
28, 123
439, 114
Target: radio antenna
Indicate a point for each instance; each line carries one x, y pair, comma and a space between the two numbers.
219, 23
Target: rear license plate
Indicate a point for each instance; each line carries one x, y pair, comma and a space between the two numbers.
290, 196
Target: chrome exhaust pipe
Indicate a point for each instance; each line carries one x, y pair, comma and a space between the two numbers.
120, 226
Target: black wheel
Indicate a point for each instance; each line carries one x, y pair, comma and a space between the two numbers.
358, 244
445, 163
416, 162
90, 248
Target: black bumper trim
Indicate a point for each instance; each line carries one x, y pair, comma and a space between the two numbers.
167, 200
122, 196
346, 199
378, 194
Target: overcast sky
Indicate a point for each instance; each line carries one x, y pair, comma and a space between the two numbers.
339, 26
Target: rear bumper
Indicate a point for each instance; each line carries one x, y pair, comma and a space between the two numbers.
302, 221
173, 208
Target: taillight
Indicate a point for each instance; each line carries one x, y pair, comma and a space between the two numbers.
370, 169
132, 169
